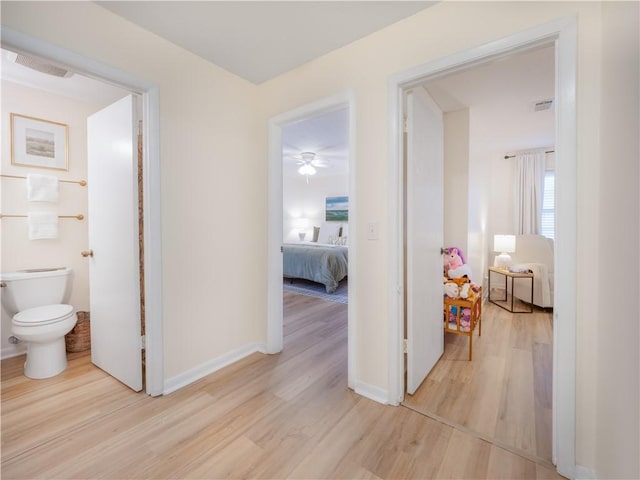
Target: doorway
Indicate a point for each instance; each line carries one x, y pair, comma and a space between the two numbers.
560, 33
342, 101
503, 392
18, 42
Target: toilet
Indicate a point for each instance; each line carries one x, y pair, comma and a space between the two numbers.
41, 318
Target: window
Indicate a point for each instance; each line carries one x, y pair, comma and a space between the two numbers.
548, 204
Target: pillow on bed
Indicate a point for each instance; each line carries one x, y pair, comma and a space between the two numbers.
316, 231
328, 230
344, 231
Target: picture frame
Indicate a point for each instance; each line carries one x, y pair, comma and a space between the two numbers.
337, 209
39, 143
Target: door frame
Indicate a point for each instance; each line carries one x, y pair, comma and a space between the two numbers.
152, 235
562, 33
274, 242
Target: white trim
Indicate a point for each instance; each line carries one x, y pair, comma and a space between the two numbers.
22, 43
11, 351
372, 392
274, 241
584, 473
563, 32
207, 368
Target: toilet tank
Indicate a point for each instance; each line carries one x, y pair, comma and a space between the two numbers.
35, 288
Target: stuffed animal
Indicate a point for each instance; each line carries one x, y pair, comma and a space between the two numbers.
465, 291
454, 266
451, 290
465, 320
452, 259
461, 271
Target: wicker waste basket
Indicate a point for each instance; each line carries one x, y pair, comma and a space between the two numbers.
79, 338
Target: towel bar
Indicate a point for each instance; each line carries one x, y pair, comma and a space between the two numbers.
82, 183
78, 217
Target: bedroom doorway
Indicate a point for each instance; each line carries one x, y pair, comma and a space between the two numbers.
562, 34
503, 392
311, 182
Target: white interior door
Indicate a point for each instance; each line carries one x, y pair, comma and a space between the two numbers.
114, 289
424, 236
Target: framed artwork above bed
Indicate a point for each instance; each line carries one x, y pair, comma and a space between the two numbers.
337, 209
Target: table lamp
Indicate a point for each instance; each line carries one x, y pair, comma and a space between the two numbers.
505, 244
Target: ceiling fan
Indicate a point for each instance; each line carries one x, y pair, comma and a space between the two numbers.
308, 163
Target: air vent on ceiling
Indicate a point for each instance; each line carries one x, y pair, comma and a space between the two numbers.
543, 105
41, 66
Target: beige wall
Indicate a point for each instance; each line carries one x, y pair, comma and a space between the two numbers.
618, 381
214, 148
18, 252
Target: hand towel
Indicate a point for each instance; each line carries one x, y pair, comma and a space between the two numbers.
42, 188
42, 225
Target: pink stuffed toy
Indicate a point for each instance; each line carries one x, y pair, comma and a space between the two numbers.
454, 266
452, 259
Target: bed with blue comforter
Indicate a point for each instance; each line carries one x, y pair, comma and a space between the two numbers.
318, 262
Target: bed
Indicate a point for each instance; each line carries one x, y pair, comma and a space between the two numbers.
322, 263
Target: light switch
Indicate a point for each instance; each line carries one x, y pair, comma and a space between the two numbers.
372, 230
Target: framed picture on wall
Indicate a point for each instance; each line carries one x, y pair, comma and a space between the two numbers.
337, 209
39, 143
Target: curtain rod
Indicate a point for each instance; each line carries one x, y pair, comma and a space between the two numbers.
514, 156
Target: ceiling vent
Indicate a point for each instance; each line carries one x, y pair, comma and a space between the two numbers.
543, 105
40, 66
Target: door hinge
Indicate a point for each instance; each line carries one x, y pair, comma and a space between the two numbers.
405, 346
143, 340
405, 124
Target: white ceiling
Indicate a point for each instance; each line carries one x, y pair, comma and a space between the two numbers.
502, 96
259, 40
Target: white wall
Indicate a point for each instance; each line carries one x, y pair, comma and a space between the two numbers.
456, 180
18, 252
302, 200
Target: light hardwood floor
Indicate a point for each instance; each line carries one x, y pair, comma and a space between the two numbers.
267, 416
504, 394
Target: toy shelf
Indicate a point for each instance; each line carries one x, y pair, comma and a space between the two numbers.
453, 309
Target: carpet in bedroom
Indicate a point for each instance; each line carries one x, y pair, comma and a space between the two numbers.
313, 289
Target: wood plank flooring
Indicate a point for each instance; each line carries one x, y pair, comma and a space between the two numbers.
267, 416
504, 394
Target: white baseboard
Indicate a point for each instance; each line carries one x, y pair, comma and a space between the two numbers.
372, 392
13, 351
207, 368
584, 473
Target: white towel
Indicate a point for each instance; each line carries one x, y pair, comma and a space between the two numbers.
42, 188
42, 225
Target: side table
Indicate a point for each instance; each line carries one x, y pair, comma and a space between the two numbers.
513, 276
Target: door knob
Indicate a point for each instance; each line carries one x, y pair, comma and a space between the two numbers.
87, 253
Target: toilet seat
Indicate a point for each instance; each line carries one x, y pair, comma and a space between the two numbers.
45, 315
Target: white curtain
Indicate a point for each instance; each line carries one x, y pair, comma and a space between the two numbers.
529, 191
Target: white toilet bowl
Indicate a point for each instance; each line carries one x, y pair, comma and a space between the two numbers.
43, 330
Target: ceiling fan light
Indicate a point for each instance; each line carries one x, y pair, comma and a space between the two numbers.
307, 170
